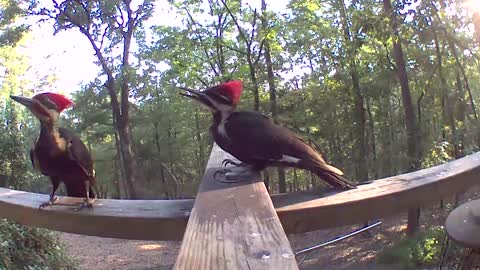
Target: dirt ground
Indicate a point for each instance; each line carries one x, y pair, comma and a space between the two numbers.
355, 253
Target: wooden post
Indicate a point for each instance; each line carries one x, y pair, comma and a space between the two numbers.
233, 226
413, 222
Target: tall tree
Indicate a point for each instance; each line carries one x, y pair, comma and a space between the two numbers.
107, 25
409, 112
252, 47
282, 186
359, 119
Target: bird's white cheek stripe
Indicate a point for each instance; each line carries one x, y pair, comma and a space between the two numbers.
221, 129
289, 159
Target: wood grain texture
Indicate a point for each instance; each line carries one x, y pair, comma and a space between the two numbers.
167, 219
233, 226
383, 197
127, 219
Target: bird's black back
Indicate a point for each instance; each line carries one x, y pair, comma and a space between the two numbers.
256, 140
73, 166
253, 137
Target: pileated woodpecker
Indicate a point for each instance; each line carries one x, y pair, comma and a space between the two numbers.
256, 140
58, 152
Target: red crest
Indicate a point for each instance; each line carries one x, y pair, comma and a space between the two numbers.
61, 101
232, 90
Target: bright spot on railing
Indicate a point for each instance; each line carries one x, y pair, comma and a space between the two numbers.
150, 246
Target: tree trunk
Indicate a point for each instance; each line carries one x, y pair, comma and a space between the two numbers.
295, 180
252, 59
116, 179
459, 112
119, 159
253, 78
453, 48
116, 82
273, 108
312, 182
372, 139
128, 156
409, 113
413, 221
444, 92
201, 150
162, 170
361, 166
273, 93
444, 96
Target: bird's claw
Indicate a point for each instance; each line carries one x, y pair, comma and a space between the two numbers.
221, 172
230, 176
228, 161
50, 202
87, 203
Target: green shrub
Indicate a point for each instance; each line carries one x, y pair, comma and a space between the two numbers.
27, 248
410, 253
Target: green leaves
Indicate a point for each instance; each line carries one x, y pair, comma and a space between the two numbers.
10, 30
30, 248
312, 61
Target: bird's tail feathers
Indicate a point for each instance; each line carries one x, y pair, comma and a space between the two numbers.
331, 175
336, 181
331, 169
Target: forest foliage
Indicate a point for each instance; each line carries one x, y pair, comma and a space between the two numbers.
21, 247
329, 70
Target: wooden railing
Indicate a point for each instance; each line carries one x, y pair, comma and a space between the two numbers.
235, 226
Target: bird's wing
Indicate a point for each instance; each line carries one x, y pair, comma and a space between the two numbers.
78, 152
254, 129
268, 141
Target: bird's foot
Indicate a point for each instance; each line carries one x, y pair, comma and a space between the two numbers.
231, 176
87, 203
50, 202
221, 172
228, 161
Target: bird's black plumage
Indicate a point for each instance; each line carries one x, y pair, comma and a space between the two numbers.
256, 140
73, 165
58, 152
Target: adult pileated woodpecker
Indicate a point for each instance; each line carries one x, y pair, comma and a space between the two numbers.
255, 140
58, 152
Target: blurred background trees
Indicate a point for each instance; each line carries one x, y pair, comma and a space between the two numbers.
382, 87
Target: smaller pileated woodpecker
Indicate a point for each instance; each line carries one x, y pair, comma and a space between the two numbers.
255, 140
58, 152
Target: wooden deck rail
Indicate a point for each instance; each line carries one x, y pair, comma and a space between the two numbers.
233, 226
167, 219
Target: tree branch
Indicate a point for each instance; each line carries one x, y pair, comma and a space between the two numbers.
212, 66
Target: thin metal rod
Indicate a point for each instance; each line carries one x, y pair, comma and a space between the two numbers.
339, 238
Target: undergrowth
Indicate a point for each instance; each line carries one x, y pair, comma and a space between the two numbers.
422, 250
25, 248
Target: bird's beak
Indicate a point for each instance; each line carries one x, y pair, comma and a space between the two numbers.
197, 95
190, 93
27, 102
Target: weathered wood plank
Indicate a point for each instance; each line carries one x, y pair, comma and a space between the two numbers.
383, 197
233, 226
128, 219
167, 219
